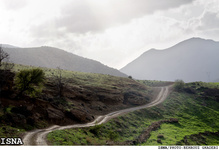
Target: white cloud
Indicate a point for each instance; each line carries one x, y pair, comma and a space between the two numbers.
111, 31
81, 16
14, 5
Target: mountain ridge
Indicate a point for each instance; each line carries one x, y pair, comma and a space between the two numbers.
51, 57
189, 60
8, 46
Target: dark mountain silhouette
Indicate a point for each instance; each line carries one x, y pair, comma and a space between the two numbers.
53, 57
194, 59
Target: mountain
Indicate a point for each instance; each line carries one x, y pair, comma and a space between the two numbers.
53, 57
8, 46
192, 60
217, 80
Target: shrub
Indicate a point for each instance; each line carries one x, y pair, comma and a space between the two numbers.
113, 135
179, 85
96, 129
30, 81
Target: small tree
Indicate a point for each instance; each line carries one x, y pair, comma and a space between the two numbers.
130, 77
179, 85
4, 60
6, 76
30, 81
59, 81
3, 56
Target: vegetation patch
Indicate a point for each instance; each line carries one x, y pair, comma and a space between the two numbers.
154, 83
202, 138
196, 113
8, 131
38, 97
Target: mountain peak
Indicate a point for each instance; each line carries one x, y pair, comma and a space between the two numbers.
196, 40
188, 60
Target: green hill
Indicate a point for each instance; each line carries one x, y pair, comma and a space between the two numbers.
195, 121
85, 96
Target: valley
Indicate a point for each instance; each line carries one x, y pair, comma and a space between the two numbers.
108, 74
95, 106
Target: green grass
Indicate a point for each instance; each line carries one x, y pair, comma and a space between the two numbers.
195, 113
154, 83
193, 118
87, 79
204, 84
187, 108
8, 131
89, 82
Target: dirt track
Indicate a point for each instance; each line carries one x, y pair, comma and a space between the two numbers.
38, 137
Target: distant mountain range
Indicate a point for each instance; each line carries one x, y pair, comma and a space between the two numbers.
194, 59
53, 57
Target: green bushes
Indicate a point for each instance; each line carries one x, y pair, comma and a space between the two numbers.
179, 85
30, 81
112, 135
96, 129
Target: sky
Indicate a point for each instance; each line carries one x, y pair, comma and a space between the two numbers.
114, 32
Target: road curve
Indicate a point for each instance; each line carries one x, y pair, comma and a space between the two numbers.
38, 137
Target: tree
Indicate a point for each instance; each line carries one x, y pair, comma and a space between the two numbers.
179, 85
6, 76
130, 77
4, 60
30, 81
3, 56
59, 81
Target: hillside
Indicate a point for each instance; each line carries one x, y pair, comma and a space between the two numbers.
53, 57
85, 96
191, 60
8, 46
186, 117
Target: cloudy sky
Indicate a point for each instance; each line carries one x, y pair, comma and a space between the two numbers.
113, 32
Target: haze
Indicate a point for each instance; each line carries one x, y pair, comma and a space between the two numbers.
110, 31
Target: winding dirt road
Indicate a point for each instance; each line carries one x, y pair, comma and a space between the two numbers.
38, 137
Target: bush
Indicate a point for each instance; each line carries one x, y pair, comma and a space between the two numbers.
96, 129
179, 85
113, 135
30, 81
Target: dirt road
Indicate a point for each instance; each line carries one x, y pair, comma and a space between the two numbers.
38, 137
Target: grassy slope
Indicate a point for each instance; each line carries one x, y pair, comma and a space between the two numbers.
86, 79
78, 80
195, 114
193, 118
